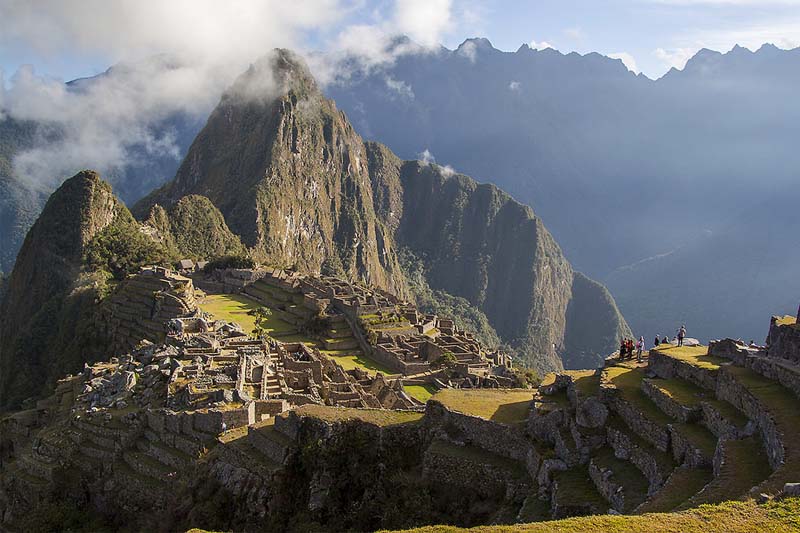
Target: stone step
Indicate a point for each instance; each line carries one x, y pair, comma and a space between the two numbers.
679, 487
620, 482
677, 398
725, 420
574, 494
739, 465
132, 478
146, 465
166, 455
692, 444
656, 466
622, 387
270, 442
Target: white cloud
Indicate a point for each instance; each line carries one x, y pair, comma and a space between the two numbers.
674, 57
105, 125
540, 45
447, 171
469, 50
424, 21
426, 157
627, 60
515, 86
400, 87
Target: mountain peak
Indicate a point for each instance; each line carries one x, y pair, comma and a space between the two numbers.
271, 76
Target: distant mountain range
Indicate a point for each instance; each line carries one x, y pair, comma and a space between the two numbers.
679, 193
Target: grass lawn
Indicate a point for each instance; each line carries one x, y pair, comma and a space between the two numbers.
745, 467
234, 308
587, 382
683, 392
625, 474
575, 485
787, 320
422, 393
629, 381
694, 355
378, 417
507, 406
782, 405
350, 359
681, 485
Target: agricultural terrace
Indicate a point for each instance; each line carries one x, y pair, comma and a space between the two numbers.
507, 406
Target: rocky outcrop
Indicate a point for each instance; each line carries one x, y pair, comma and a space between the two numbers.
292, 178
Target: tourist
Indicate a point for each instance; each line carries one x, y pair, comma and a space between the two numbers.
666, 340
681, 335
630, 348
622, 348
656, 342
639, 349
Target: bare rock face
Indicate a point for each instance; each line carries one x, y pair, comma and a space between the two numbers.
300, 188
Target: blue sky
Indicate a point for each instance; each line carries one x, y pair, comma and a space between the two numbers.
72, 38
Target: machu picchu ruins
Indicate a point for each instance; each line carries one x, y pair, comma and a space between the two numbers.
303, 332
199, 402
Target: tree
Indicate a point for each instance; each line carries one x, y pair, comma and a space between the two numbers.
261, 315
446, 360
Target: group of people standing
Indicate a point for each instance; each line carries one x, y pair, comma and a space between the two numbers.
627, 346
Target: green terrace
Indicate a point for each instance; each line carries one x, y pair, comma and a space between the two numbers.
781, 404
506, 406
628, 382
235, 308
422, 393
377, 417
694, 355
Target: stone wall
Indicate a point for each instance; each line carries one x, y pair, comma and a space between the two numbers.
784, 341
507, 441
669, 367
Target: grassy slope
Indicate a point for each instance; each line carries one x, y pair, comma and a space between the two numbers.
509, 406
729, 517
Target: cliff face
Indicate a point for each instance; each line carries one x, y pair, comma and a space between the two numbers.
302, 189
290, 176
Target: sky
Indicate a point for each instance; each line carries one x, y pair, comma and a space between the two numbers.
69, 39
178, 56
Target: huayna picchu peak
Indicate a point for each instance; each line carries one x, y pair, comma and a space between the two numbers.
321, 293
292, 178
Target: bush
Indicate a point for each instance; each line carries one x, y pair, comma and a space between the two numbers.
446, 360
121, 248
229, 261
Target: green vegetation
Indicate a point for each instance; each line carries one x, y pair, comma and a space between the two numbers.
441, 303
121, 248
232, 308
199, 229
378, 417
782, 406
745, 466
575, 487
681, 485
683, 392
506, 406
422, 393
261, 321
728, 517
587, 382
230, 261
478, 456
625, 474
446, 360
350, 359
694, 355
628, 381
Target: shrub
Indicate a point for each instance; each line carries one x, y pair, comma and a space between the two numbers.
229, 261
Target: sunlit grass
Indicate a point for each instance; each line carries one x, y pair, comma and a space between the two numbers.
507, 406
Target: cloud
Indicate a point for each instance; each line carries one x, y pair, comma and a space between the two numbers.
424, 21
540, 45
426, 157
674, 57
515, 86
627, 60
399, 87
203, 45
